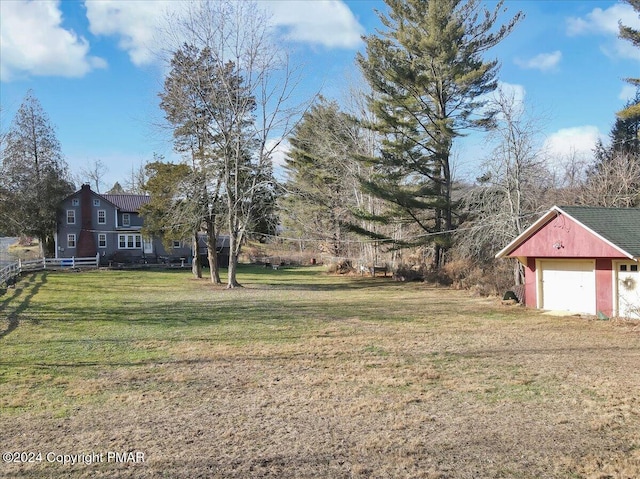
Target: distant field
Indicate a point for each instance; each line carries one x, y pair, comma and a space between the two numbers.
301, 374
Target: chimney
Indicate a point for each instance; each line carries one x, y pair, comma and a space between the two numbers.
86, 241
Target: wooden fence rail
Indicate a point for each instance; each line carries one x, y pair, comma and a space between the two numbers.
10, 272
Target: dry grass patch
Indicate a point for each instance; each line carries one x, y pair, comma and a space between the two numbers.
304, 375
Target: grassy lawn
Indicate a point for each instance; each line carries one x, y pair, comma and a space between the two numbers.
301, 374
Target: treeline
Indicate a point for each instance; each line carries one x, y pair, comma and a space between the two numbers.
371, 178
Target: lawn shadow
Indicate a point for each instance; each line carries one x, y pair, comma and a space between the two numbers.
24, 293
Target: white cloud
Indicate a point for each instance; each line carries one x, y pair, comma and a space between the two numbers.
513, 91
542, 62
329, 23
579, 141
278, 154
607, 23
33, 42
604, 21
135, 22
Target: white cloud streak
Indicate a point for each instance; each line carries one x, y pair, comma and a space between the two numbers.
33, 42
542, 62
606, 23
136, 23
328, 23
603, 21
579, 141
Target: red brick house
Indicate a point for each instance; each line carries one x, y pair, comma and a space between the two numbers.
582, 260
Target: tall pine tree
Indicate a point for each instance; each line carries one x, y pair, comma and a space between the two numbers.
632, 35
428, 76
33, 175
321, 179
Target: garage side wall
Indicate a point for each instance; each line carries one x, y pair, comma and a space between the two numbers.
530, 284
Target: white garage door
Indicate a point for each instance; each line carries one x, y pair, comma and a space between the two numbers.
568, 285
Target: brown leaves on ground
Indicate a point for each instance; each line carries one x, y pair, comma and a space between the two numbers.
484, 391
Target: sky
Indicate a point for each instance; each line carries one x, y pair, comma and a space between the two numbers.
93, 66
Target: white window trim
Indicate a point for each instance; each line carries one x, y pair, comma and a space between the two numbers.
136, 241
103, 235
71, 237
104, 217
75, 202
73, 212
126, 219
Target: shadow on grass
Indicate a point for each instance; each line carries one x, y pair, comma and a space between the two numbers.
18, 303
306, 279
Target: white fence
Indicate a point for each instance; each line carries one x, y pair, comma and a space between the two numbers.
14, 269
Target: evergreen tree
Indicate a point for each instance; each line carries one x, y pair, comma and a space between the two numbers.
188, 100
632, 35
33, 175
625, 134
428, 76
624, 141
321, 179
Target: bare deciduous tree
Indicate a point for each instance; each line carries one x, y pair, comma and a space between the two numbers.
512, 185
247, 104
94, 173
615, 183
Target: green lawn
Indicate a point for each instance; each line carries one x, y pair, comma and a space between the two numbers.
303, 374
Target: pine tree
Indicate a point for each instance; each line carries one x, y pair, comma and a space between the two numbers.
632, 35
33, 175
321, 179
428, 76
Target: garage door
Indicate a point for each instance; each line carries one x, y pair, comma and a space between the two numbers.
568, 285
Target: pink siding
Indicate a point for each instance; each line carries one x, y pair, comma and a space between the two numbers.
604, 286
530, 284
562, 237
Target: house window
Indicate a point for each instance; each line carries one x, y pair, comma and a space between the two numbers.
623, 267
96, 202
71, 241
75, 202
102, 240
129, 241
71, 217
634, 267
102, 217
176, 244
126, 219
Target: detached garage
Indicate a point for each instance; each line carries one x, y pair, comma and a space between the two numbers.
581, 260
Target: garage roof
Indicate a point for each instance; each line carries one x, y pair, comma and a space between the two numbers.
618, 226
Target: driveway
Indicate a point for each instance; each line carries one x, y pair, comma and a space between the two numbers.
5, 242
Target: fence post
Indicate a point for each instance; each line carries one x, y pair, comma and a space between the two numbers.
19, 265
97, 259
44, 262
73, 261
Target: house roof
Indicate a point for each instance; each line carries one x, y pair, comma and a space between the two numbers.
128, 203
620, 227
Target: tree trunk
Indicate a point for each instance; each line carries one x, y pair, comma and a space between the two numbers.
212, 253
196, 266
234, 248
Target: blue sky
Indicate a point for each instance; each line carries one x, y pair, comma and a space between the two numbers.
91, 65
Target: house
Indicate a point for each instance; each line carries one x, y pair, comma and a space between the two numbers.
582, 260
90, 223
